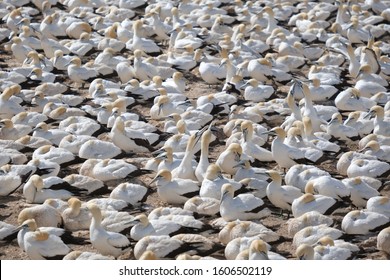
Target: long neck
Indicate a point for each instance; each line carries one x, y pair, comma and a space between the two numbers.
204, 152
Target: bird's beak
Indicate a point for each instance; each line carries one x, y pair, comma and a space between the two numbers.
154, 180
368, 115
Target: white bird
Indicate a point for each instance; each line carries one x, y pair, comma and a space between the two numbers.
129, 141
8, 232
309, 202
312, 218
98, 149
204, 155
80, 74
79, 255
140, 43
346, 159
364, 222
8, 106
238, 229
243, 206
361, 190
163, 246
213, 182
106, 242
76, 217
131, 193
229, 158
35, 190
40, 245
251, 149
381, 124
257, 92
383, 240
368, 167
107, 169
351, 100
237, 245
174, 190
286, 156
328, 186
311, 234
373, 148
44, 215
336, 129
257, 251
281, 196
202, 205
379, 204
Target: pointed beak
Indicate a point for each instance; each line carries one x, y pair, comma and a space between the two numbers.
154, 180
368, 115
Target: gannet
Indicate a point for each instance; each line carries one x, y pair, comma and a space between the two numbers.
79, 255
204, 160
76, 217
305, 252
37, 190
356, 119
249, 148
368, 167
312, 218
229, 158
185, 170
328, 186
361, 190
257, 251
245, 170
8, 106
140, 43
162, 246
11, 131
379, 204
73, 143
381, 124
309, 202
131, 193
311, 234
300, 174
238, 229
108, 169
54, 154
346, 159
237, 245
80, 74
10, 182
202, 205
364, 222
53, 135
285, 156
40, 245
351, 100
336, 129
98, 149
373, 148
383, 240
213, 182
247, 206
281, 196
329, 241
44, 215
174, 190
8, 232
106, 242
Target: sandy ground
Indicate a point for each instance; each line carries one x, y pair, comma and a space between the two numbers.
13, 204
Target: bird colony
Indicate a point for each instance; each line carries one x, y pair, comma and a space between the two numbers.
133, 129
